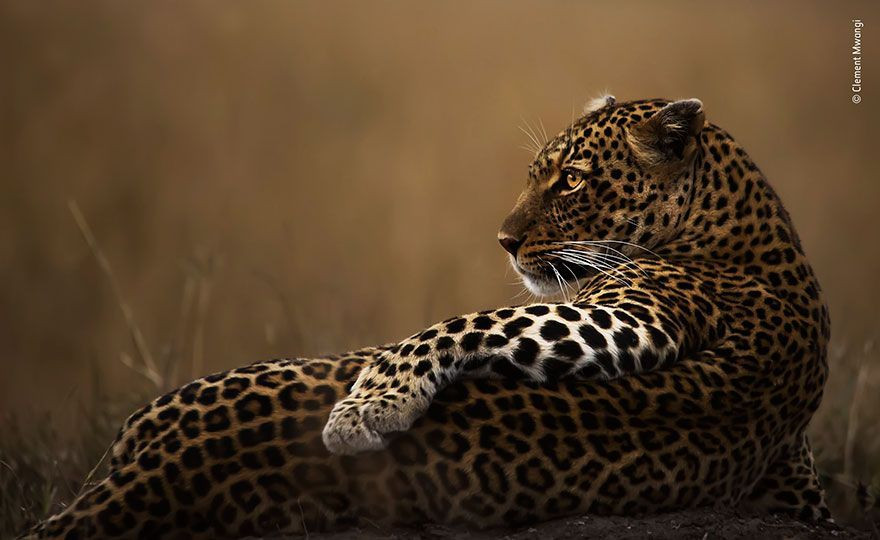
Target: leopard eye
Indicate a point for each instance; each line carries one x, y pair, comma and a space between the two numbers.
569, 181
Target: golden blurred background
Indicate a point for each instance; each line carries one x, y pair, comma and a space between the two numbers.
289, 178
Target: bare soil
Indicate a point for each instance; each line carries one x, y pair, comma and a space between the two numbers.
703, 524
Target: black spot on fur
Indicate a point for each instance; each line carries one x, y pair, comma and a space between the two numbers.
526, 352
516, 326
554, 330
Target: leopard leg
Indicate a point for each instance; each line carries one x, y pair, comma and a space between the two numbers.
244, 455
791, 485
229, 455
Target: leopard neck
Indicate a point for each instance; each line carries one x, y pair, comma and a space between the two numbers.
734, 216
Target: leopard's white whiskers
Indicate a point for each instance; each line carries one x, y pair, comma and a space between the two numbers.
559, 279
593, 259
573, 275
543, 131
567, 284
623, 242
522, 293
604, 268
529, 132
617, 257
611, 260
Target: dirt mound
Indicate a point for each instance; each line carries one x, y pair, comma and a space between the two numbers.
694, 524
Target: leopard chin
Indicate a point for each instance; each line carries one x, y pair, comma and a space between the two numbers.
541, 285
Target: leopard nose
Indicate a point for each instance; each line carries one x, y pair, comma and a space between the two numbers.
509, 243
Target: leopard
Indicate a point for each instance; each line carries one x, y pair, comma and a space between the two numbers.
672, 358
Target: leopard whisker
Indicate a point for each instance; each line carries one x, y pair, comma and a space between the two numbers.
559, 279
543, 131
610, 257
598, 258
573, 275
558, 276
643, 248
530, 133
588, 263
599, 268
621, 258
522, 293
566, 282
578, 243
592, 259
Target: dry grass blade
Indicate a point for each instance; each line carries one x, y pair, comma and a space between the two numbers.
302, 518
149, 369
853, 417
198, 353
175, 350
93, 471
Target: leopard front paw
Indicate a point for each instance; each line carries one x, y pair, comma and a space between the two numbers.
347, 433
360, 423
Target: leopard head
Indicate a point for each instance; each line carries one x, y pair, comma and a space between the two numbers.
612, 186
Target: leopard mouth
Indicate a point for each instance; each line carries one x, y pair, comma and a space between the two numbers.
546, 282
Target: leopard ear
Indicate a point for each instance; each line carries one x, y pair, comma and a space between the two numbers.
670, 135
605, 100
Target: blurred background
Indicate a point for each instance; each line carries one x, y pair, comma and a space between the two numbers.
270, 179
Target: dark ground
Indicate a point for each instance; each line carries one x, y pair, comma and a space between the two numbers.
704, 524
